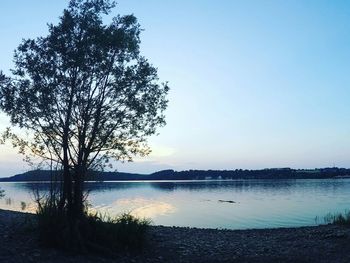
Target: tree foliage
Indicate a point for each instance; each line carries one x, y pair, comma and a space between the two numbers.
84, 94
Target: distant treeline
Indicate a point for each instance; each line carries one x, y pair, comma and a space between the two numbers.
274, 173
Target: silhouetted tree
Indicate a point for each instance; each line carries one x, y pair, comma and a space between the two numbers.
83, 94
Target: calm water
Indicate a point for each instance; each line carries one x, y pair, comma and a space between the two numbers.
258, 203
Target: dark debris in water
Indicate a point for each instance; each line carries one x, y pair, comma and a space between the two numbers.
226, 201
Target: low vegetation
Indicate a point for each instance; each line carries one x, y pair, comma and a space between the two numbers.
338, 218
93, 232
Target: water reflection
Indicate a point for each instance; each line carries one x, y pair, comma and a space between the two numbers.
168, 186
140, 207
253, 203
247, 185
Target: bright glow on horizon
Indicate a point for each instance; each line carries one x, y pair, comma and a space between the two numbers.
254, 84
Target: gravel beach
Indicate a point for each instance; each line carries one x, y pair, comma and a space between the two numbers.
325, 243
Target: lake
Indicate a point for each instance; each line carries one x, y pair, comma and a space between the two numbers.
209, 204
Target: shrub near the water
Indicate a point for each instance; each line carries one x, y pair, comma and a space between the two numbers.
53, 224
96, 233
123, 232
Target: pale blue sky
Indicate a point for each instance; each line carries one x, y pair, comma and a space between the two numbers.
254, 84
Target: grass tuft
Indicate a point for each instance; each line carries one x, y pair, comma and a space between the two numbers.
94, 232
119, 233
338, 218
53, 224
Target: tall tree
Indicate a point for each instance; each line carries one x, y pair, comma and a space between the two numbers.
84, 94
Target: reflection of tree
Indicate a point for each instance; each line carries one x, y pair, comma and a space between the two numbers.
90, 186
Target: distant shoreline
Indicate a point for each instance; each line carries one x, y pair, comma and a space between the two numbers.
184, 181
190, 175
324, 243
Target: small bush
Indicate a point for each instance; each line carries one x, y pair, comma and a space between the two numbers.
53, 224
123, 232
94, 232
338, 218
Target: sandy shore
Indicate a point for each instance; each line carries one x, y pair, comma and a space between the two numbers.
176, 244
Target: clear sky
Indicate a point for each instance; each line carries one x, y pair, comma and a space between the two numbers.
254, 84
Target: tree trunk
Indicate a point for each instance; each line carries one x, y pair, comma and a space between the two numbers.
78, 192
66, 197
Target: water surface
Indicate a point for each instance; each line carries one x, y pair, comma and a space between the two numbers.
252, 203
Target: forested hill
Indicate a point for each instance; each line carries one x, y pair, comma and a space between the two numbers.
275, 173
